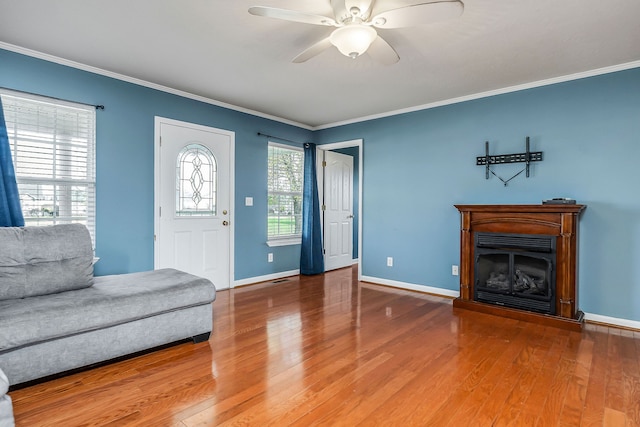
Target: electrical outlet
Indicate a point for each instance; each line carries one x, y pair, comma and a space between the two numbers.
389, 261
270, 257
454, 270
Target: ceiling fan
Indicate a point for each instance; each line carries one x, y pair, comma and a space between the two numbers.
356, 22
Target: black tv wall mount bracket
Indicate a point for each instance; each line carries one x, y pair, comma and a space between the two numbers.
527, 157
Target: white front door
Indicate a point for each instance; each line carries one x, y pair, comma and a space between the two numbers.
193, 200
338, 213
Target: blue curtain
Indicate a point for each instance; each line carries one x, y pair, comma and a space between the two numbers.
311, 256
10, 212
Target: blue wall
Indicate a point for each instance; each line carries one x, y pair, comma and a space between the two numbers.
124, 164
418, 165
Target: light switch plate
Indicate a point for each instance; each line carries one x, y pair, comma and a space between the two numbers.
248, 201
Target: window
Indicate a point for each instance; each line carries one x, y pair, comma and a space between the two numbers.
53, 150
196, 181
285, 172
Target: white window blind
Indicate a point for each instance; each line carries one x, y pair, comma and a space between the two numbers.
53, 150
285, 175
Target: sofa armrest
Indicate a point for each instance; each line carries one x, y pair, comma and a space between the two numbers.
6, 408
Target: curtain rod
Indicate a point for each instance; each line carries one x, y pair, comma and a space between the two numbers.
97, 107
282, 139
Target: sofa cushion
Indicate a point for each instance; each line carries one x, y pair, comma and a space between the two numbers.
44, 260
6, 412
6, 408
112, 300
4, 383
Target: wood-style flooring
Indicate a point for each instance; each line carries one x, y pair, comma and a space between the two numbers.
330, 351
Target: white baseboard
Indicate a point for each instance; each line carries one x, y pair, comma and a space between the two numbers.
589, 317
411, 286
266, 278
614, 321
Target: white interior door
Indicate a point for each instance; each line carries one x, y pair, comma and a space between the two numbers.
338, 213
193, 226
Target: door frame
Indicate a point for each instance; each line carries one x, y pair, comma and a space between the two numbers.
156, 186
334, 146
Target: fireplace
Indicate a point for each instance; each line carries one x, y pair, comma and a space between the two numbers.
520, 261
515, 270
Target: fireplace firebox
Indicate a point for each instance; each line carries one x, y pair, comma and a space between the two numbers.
521, 261
516, 270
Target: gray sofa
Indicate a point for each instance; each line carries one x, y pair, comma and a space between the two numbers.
56, 316
6, 410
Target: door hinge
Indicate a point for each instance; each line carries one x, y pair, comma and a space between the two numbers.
324, 164
159, 210
155, 238
324, 207
160, 141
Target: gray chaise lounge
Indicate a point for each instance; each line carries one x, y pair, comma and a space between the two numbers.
6, 410
56, 316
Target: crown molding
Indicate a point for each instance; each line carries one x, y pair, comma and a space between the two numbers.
140, 82
509, 89
480, 95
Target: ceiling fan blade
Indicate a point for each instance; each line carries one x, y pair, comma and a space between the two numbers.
291, 15
382, 52
312, 51
339, 10
419, 14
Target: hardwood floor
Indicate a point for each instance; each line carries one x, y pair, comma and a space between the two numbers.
328, 350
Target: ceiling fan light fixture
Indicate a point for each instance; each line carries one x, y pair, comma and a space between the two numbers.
353, 40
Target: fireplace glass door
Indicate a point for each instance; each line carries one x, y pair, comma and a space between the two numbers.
514, 277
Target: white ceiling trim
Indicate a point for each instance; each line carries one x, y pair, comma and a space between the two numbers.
95, 70
517, 88
100, 71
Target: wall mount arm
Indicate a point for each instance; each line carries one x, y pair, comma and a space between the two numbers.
527, 157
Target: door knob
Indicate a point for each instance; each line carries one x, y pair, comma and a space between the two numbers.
225, 223
350, 216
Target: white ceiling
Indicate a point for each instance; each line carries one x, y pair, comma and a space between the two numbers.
217, 50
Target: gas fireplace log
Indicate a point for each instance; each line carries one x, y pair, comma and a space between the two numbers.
527, 284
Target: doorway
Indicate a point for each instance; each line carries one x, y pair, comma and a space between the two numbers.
325, 190
194, 200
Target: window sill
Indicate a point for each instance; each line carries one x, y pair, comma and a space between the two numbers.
284, 242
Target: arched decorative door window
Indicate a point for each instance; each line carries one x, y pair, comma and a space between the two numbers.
196, 181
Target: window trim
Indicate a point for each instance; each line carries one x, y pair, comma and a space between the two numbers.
90, 181
284, 241
290, 239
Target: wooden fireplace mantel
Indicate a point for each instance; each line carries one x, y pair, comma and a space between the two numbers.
558, 220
